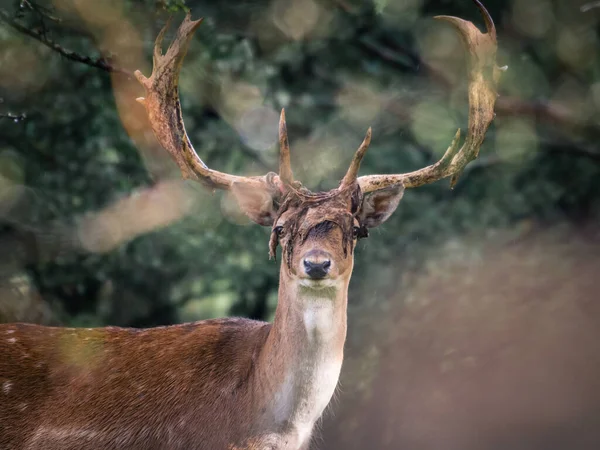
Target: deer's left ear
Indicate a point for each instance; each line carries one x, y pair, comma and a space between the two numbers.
256, 202
379, 205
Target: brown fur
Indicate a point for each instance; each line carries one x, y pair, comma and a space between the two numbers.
66, 388
204, 385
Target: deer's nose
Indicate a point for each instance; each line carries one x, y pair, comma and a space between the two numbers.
317, 264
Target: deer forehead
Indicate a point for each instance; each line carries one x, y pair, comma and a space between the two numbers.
312, 217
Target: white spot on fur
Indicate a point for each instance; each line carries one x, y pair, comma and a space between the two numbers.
303, 434
284, 399
6, 387
318, 321
64, 434
12, 340
10, 331
325, 378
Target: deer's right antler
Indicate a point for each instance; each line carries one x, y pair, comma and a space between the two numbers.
164, 112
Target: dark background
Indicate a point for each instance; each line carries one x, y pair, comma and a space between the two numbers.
473, 317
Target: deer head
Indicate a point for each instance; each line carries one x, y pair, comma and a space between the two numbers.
317, 230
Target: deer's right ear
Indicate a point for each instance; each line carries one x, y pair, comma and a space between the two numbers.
257, 203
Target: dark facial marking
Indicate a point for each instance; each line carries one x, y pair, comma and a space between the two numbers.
321, 229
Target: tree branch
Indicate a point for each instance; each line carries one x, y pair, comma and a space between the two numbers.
99, 63
13, 117
589, 6
41, 11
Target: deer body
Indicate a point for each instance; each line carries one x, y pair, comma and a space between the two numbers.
226, 383
223, 383
124, 388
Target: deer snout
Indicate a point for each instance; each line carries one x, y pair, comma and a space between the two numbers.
317, 264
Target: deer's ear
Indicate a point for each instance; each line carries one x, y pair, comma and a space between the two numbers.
379, 205
257, 203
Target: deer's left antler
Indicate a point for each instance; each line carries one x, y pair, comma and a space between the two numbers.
483, 78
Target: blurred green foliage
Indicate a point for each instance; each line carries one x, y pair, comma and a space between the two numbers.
337, 67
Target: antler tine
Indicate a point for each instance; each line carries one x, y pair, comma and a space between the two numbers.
164, 110
352, 173
489, 23
483, 78
159, 42
285, 165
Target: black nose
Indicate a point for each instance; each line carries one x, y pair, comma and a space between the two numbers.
316, 270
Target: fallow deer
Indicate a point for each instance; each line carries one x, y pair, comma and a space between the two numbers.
225, 383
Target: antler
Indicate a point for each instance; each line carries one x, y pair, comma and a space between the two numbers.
483, 77
164, 112
285, 166
350, 177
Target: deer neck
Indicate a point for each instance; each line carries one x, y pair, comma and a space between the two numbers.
303, 354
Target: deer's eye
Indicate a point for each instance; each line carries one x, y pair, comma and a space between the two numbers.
355, 232
278, 230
